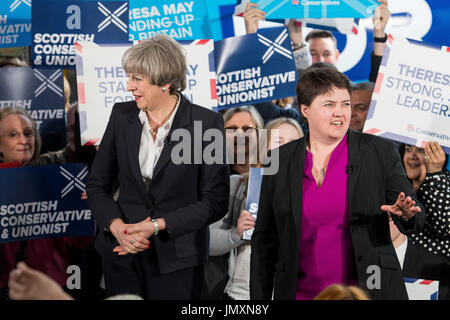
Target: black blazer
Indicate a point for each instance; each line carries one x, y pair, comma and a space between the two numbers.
421, 264
375, 177
188, 196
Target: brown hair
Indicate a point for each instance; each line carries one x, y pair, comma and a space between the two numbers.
318, 34
340, 292
316, 81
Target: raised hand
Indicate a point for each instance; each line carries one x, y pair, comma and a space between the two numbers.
434, 157
251, 17
404, 207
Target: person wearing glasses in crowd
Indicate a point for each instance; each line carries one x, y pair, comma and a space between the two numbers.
20, 145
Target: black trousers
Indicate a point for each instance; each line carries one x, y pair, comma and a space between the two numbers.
139, 274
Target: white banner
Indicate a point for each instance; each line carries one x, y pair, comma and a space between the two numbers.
411, 100
102, 82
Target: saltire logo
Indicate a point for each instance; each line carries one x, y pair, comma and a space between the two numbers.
112, 17
74, 181
274, 46
48, 83
17, 3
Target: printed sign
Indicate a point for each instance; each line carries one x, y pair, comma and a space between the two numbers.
253, 191
71, 21
315, 9
15, 23
411, 99
102, 82
48, 205
255, 68
421, 289
182, 20
39, 91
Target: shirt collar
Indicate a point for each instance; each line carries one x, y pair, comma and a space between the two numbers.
166, 126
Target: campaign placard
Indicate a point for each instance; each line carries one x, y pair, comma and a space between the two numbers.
15, 23
44, 202
422, 289
182, 20
255, 68
102, 82
411, 99
253, 191
39, 91
53, 39
314, 9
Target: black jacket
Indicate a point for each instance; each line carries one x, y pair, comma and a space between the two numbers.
375, 177
188, 196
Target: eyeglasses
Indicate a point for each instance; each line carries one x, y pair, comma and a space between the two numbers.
15, 135
243, 128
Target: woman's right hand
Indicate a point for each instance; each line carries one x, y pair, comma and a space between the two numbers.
245, 222
128, 243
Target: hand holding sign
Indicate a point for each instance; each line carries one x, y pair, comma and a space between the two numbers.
245, 222
252, 16
404, 207
434, 157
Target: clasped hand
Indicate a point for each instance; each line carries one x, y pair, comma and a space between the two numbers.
132, 238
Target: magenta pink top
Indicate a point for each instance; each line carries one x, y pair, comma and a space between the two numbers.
326, 252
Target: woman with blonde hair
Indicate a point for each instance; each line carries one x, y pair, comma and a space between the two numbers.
340, 292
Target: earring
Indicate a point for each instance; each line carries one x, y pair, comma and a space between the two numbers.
164, 89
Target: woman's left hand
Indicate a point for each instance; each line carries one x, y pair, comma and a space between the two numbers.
404, 207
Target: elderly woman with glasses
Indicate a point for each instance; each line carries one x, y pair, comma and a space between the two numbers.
20, 145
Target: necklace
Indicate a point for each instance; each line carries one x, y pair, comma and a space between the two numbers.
153, 132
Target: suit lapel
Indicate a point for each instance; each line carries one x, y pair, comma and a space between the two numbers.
355, 158
132, 142
182, 119
295, 171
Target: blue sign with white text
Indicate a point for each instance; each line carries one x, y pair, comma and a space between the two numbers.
41, 93
182, 20
254, 68
15, 23
316, 9
48, 205
53, 39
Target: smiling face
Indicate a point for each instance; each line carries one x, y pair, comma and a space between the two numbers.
145, 94
414, 159
17, 141
323, 50
329, 115
241, 137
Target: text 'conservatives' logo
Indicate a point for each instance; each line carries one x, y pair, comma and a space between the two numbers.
48, 83
112, 17
17, 3
274, 46
75, 181
410, 128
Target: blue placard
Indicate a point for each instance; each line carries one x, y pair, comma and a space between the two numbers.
182, 20
254, 68
53, 39
44, 202
317, 9
41, 93
253, 191
15, 23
